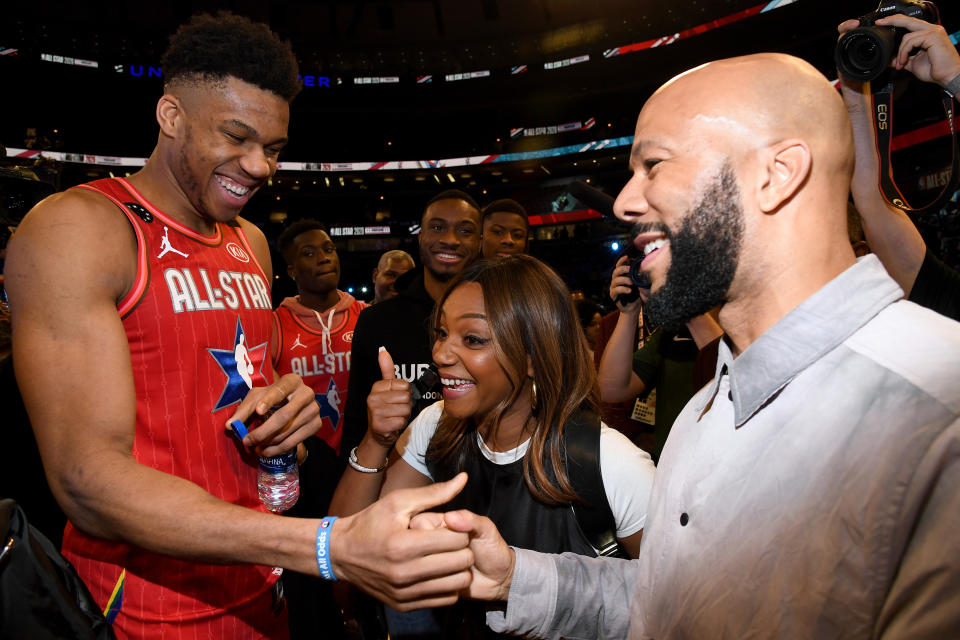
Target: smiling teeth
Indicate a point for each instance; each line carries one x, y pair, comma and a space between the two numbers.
653, 246
235, 189
454, 382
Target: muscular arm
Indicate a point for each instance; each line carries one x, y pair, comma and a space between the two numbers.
73, 367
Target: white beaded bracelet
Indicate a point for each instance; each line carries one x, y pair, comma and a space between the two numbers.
352, 460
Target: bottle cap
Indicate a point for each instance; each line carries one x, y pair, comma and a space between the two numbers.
239, 429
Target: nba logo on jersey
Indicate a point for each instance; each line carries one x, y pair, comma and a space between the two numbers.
330, 405
243, 366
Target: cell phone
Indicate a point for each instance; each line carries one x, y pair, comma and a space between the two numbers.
427, 380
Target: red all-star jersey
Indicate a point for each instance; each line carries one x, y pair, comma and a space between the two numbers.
323, 364
198, 322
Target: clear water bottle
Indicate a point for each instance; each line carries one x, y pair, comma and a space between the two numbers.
278, 480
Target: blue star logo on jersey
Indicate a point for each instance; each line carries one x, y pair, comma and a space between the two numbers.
242, 365
329, 405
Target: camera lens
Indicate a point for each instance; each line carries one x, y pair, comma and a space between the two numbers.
864, 53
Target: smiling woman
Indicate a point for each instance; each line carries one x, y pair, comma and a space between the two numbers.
518, 415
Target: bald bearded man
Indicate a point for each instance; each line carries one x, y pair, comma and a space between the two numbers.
810, 490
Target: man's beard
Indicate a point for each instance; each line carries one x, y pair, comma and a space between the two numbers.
704, 253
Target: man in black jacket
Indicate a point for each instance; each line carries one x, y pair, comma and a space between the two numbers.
449, 240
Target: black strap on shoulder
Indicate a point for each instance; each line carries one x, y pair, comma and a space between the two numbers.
594, 517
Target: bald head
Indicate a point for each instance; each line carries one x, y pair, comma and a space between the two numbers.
392, 265
753, 101
397, 255
738, 163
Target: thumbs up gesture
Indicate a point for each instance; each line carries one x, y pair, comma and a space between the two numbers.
389, 403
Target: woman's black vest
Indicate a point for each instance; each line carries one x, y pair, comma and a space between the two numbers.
500, 493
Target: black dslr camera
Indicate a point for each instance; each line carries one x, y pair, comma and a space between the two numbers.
865, 52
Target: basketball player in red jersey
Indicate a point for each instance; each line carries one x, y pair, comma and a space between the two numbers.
313, 333
141, 317
315, 328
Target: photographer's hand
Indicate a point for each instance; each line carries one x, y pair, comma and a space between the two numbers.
926, 51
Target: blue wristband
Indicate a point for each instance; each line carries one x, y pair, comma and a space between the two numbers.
323, 548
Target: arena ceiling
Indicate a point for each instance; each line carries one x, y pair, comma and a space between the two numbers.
338, 40
362, 35
107, 110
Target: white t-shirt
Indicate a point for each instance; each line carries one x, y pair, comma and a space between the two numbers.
627, 471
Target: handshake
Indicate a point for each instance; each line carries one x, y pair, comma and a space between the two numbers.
412, 559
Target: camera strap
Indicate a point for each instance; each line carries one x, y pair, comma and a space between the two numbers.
883, 125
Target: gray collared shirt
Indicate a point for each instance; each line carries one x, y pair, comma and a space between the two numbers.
812, 490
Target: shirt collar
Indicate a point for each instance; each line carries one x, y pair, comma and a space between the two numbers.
818, 325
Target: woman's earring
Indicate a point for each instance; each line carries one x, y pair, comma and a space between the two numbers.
533, 393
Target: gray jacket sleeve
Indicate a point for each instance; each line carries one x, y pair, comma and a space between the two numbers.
567, 595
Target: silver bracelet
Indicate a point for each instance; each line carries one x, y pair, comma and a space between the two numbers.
352, 460
953, 87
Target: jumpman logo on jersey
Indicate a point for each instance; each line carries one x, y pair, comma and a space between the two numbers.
330, 405
243, 367
297, 343
166, 247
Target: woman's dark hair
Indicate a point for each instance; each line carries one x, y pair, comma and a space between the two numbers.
531, 318
215, 47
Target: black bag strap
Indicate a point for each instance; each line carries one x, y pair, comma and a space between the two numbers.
594, 517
